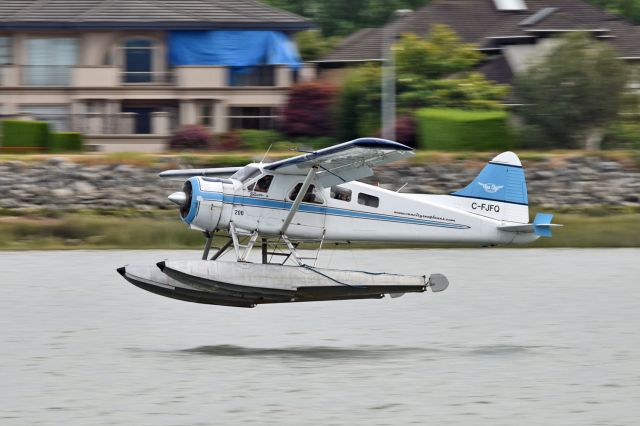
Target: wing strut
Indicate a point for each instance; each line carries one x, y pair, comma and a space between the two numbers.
298, 200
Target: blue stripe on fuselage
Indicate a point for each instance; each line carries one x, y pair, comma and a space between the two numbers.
309, 208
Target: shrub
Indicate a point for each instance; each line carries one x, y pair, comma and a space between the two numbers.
622, 135
259, 139
359, 103
309, 110
455, 129
405, 131
65, 142
190, 137
313, 143
25, 134
229, 141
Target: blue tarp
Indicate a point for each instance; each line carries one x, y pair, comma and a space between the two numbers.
232, 48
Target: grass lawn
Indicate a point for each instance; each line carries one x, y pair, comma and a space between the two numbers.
164, 230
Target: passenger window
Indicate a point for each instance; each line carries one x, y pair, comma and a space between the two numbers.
262, 185
341, 194
368, 200
310, 197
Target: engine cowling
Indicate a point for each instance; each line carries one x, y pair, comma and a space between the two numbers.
201, 202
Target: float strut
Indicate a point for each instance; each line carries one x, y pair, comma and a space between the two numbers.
207, 245
264, 251
222, 249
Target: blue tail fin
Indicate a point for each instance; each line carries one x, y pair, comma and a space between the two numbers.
499, 191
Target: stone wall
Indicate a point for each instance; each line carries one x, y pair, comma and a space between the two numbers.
60, 184
556, 182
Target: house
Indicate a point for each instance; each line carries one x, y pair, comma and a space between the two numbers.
512, 34
127, 73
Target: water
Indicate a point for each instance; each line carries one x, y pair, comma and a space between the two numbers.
520, 337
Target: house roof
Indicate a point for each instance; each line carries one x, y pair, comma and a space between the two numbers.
478, 21
496, 69
152, 14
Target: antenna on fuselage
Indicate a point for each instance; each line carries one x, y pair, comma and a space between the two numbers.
400, 189
265, 154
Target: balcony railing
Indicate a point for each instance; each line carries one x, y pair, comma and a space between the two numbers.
105, 76
47, 75
148, 77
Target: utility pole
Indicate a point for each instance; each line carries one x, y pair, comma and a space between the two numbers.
388, 113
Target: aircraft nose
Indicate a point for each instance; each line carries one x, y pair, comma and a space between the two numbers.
179, 198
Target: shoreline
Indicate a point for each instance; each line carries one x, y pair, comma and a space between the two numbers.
163, 229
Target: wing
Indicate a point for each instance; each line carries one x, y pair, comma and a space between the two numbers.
221, 172
345, 162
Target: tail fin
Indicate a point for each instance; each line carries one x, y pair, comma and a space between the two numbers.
499, 191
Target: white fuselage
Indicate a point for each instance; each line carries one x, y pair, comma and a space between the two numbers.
360, 212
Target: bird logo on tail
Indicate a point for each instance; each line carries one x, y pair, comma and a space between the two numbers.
491, 188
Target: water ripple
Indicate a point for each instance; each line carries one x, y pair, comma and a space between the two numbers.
313, 352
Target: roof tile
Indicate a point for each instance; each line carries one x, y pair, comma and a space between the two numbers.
13, 13
478, 21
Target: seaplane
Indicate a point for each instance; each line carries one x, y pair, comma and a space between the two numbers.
315, 198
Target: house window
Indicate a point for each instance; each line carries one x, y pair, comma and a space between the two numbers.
138, 60
5, 50
310, 197
58, 116
259, 118
263, 184
50, 61
261, 75
368, 200
342, 194
205, 113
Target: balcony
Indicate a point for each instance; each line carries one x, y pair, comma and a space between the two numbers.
47, 75
190, 77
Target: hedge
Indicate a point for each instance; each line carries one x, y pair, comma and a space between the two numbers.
463, 130
65, 142
259, 139
25, 134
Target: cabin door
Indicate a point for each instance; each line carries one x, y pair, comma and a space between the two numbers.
309, 221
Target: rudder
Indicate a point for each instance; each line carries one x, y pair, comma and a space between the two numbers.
499, 191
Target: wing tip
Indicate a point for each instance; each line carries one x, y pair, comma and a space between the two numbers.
370, 142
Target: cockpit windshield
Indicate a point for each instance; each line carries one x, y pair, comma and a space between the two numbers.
246, 173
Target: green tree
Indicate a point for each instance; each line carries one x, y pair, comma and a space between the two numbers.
313, 45
629, 9
431, 72
571, 97
359, 102
439, 55
340, 17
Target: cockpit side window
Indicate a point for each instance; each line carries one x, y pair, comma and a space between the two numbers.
368, 200
342, 194
246, 173
310, 197
262, 185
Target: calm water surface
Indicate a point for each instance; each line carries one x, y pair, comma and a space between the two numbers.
520, 337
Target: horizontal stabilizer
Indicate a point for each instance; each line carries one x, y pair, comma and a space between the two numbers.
220, 172
541, 226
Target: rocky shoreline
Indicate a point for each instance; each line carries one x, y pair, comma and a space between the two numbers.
57, 183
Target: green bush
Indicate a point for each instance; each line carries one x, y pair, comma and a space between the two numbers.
314, 143
463, 130
259, 139
622, 135
65, 142
25, 134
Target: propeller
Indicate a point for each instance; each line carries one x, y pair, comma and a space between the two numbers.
179, 198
